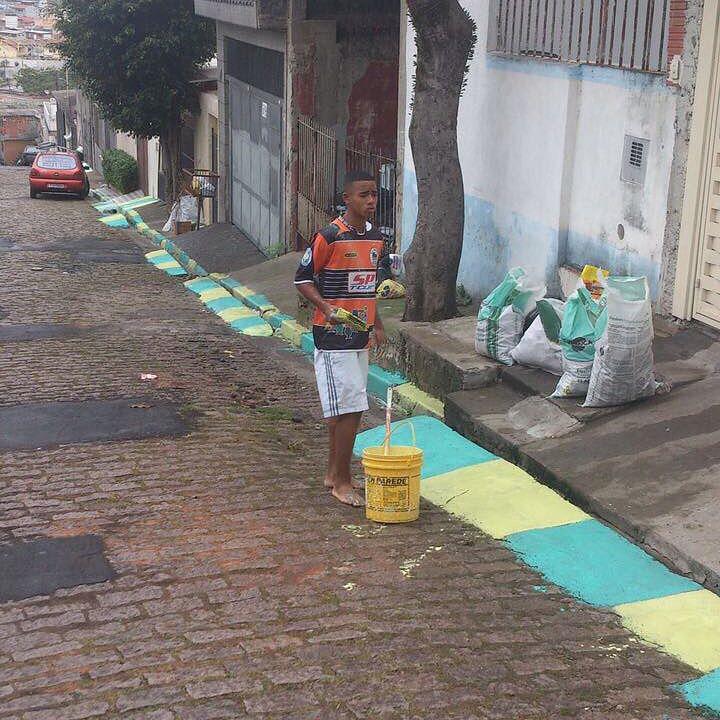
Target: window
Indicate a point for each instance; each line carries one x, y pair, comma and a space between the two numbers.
56, 162
629, 34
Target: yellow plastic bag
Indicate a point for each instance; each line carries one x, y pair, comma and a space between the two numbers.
595, 280
390, 289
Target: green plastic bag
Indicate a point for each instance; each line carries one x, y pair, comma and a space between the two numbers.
502, 315
583, 324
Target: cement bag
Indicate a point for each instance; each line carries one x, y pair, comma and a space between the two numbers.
583, 323
184, 210
623, 366
537, 349
502, 315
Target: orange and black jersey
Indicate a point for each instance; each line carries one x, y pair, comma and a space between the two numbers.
343, 265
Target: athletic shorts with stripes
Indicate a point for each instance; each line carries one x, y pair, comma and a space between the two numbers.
342, 381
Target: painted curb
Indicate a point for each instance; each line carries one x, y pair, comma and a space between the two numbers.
589, 560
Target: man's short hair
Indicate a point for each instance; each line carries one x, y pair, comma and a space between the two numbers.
358, 176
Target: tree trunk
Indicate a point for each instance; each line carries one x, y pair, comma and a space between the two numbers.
445, 37
172, 163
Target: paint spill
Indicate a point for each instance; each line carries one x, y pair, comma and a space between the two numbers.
350, 586
407, 566
363, 531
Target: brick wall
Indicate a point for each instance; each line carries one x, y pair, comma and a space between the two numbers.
676, 34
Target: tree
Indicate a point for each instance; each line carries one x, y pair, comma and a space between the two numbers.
445, 38
135, 59
39, 82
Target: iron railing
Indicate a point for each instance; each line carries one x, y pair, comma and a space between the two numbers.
629, 34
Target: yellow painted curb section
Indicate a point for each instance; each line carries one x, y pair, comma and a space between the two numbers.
413, 400
155, 253
259, 330
218, 277
500, 499
236, 313
292, 332
213, 294
168, 265
241, 292
686, 625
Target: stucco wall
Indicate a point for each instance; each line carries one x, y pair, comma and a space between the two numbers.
541, 146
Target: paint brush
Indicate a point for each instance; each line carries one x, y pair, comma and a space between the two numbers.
388, 419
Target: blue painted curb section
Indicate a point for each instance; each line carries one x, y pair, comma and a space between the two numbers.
704, 692
596, 564
589, 560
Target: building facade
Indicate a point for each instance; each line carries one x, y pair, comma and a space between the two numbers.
328, 67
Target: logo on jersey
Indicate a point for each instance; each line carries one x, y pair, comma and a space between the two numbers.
350, 254
306, 258
361, 282
374, 257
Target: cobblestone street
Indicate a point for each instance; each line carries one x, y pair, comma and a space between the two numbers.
241, 588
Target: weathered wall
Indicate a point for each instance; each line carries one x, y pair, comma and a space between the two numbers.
683, 127
541, 146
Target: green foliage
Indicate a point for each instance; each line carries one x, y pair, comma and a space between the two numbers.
120, 170
135, 58
39, 82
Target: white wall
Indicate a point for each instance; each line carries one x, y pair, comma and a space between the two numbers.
153, 151
127, 143
540, 147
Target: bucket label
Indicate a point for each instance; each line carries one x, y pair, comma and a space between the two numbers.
388, 494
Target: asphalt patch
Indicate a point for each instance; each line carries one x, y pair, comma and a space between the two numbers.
82, 250
38, 331
42, 566
49, 424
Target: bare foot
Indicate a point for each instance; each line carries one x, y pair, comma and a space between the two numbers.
357, 483
348, 495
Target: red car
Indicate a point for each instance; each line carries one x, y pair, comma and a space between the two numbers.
58, 171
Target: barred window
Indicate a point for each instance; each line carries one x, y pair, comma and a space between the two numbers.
629, 34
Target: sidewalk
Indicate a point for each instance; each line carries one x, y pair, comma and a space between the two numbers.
649, 469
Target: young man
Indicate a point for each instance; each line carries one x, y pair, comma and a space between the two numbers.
338, 274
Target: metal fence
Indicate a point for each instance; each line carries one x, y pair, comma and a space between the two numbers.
317, 181
629, 34
323, 163
384, 168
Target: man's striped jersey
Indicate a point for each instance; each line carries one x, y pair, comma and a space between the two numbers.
343, 265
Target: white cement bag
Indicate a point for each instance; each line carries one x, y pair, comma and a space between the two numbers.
536, 350
502, 316
185, 210
623, 367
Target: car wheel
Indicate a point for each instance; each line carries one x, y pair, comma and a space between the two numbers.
85, 192
33, 194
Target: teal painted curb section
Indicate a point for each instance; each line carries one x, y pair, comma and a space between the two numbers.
307, 343
276, 319
596, 564
257, 302
703, 692
175, 271
200, 286
245, 323
158, 259
224, 303
379, 380
444, 449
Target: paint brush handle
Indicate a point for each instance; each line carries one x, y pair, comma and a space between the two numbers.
388, 419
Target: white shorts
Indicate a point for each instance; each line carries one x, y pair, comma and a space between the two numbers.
342, 381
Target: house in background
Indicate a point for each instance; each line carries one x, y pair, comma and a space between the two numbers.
307, 88
18, 128
80, 122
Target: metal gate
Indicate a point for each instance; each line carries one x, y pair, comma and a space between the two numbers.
321, 177
317, 181
256, 152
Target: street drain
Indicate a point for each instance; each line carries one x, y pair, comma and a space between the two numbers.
48, 424
38, 331
42, 566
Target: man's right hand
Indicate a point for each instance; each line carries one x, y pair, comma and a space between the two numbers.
330, 315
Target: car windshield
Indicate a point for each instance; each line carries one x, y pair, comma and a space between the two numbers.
56, 162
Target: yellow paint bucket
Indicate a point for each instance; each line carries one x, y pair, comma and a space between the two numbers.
392, 482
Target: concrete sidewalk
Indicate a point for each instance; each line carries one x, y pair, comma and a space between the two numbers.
651, 469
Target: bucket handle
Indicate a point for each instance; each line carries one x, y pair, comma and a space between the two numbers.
389, 433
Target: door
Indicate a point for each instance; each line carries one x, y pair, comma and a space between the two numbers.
256, 121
